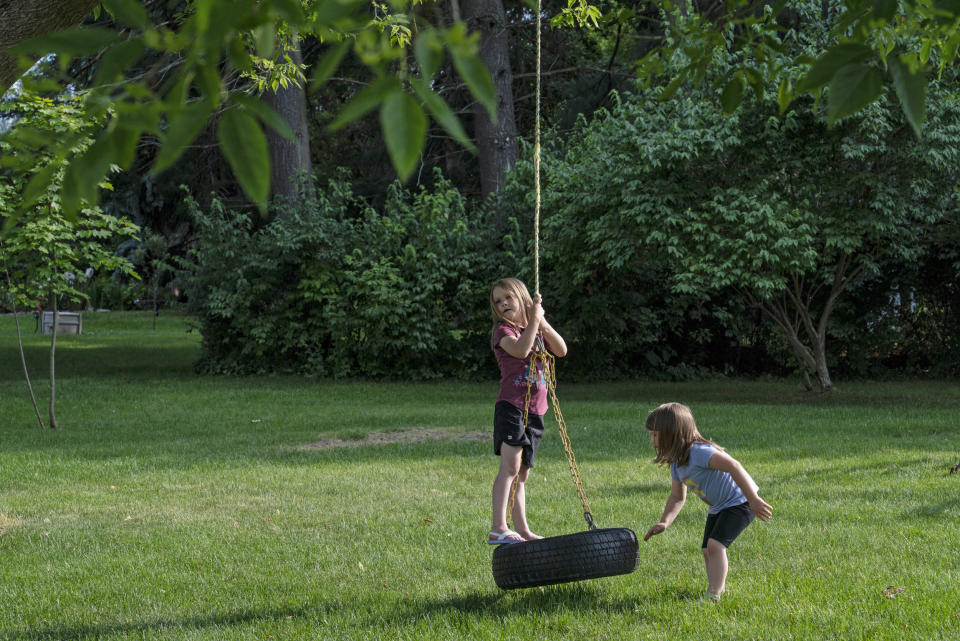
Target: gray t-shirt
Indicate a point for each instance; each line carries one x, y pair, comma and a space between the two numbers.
716, 488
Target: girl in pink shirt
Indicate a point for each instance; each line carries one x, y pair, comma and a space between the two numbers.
518, 322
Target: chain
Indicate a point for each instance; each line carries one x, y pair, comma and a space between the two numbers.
546, 359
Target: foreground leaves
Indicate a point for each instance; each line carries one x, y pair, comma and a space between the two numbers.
215, 40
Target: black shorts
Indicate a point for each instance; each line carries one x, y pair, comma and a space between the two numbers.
726, 525
508, 428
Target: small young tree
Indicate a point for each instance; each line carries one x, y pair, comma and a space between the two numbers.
46, 251
152, 260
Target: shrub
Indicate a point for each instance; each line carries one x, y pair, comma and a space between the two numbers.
336, 288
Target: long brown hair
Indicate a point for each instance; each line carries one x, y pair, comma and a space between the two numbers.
519, 290
677, 433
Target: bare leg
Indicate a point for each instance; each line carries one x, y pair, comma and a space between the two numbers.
509, 469
520, 507
715, 557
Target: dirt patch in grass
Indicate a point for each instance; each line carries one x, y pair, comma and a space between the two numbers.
8, 523
412, 435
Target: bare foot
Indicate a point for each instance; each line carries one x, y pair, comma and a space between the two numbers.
528, 535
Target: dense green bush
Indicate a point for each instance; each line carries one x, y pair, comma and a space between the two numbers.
609, 290
337, 289
679, 220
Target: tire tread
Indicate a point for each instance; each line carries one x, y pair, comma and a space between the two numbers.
570, 557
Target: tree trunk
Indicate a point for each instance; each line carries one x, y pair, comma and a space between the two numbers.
813, 361
23, 356
291, 170
497, 148
823, 373
156, 303
26, 373
24, 19
53, 361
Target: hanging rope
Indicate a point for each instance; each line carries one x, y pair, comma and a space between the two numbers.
536, 172
540, 356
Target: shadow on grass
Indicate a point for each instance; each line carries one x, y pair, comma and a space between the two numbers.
934, 511
913, 392
138, 628
102, 362
584, 598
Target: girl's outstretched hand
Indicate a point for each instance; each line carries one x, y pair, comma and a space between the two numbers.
761, 509
656, 529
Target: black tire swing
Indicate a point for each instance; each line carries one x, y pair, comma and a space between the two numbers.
591, 554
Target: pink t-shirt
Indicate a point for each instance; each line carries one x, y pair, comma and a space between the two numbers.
514, 373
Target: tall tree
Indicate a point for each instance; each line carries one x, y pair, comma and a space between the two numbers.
23, 19
290, 166
496, 134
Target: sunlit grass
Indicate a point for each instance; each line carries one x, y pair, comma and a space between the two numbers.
172, 506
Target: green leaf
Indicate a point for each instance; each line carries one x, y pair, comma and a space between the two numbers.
949, 51
404, 131
478, 80
368, 99
428, 49
75, 41
210, 83
951, 7
442, 113
265, 40
885, 9
289, 10
182, 127
81, 180
827, 66
245, 147
328, 63
145, 117
37, 187
732, 94
785, 94
756, 81
117, 59
671, 88
125, 141
238, 55
674, 85
267, 114
326, 12
129, 12
853, 88
911, 90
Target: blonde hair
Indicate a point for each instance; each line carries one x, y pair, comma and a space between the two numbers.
519, 290
678, 432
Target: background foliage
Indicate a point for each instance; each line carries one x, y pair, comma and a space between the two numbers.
45, 253
337, 288
690, 217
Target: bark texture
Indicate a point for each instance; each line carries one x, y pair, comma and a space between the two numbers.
290, 165
24, 19
497, 147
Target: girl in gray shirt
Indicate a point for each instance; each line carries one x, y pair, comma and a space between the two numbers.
713, 475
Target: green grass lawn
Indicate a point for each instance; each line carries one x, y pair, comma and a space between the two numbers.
172, 506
